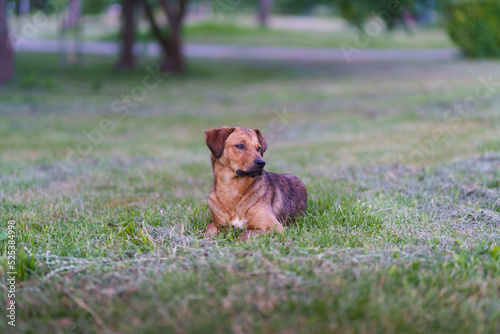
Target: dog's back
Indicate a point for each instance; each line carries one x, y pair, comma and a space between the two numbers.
287, 195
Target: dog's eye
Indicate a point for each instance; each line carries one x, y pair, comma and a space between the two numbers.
259, 149
240, 146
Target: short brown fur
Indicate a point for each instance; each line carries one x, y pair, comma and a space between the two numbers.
243, 193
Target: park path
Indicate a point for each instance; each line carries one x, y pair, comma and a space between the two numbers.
254, 52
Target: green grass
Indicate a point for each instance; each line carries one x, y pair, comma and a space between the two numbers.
115, 243
229, 32
233, 30
217, 32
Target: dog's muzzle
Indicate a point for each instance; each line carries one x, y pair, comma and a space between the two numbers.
260, 163
256, 170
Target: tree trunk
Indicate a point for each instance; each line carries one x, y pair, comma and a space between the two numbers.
172, 59
22, 7
74, 14
6, 49
263, 15
127, 57
17, 8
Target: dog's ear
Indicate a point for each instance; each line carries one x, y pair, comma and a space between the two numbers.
216, 139
262, 141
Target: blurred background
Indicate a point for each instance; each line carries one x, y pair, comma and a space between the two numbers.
175, 30
99, 79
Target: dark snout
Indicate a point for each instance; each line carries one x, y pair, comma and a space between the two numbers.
256, 169
260, 163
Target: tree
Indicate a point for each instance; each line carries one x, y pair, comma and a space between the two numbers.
22, 7
172, 58
6, 49
127, 57
392, 12
360, 11
71, 22
263, 12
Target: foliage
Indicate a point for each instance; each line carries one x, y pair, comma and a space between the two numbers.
391, 11
298, 6
474, 26
94, 7
357, 12
89, 7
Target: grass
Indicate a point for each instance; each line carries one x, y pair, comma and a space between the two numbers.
233, 32
217, 32
112, 240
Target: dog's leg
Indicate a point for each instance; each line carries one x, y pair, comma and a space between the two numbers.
220, 218
262, 218
248, 234
211, 230
261, 221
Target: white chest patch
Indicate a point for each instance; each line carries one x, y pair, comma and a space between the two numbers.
239, 223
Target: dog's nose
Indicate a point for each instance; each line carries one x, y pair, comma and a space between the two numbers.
260, 163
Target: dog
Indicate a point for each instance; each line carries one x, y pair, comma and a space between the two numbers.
243, 194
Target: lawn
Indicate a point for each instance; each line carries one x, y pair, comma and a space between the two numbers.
238, 31
216, 32
401, 235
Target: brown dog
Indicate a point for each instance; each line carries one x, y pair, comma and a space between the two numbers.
244, 195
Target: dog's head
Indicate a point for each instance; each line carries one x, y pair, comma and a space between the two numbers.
241, 150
